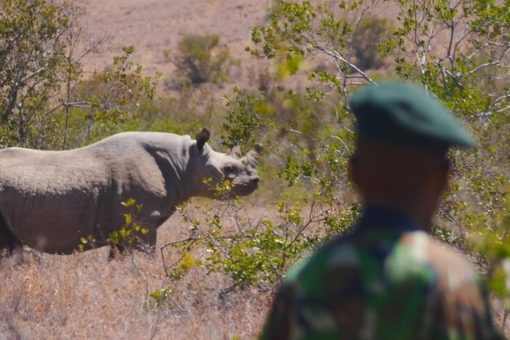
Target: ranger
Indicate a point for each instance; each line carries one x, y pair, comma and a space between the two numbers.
388, 278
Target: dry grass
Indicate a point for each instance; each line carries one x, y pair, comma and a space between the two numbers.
85, 296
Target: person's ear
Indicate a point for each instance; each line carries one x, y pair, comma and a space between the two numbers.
353, 171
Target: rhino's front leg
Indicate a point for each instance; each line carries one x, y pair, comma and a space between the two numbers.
148, 242
145, 243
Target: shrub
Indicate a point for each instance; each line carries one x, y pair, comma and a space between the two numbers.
257, 251
33, 45
107, 102
367, 38
202, 60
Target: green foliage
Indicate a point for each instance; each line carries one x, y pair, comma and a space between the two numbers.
464, 71
44, 101
257, 252
131, 232
245, 116
128, 236
305, 136
87, 242
202, 60
110, 101
124, 86
185, 264
326, 29
160, 298
32, 54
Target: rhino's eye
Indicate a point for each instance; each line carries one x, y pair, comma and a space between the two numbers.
230, 170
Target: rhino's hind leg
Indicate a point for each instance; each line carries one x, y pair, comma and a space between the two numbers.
8, 242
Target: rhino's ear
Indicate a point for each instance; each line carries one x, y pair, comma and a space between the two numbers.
202, 138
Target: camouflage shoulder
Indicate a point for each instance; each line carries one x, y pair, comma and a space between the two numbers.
463, 294
420, 249
448, 261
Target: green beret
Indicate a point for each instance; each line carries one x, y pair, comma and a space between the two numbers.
405, 114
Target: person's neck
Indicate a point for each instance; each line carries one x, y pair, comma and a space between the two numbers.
416, 212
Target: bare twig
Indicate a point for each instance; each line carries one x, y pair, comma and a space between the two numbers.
166, 245
483, 66
343, 143
334, 54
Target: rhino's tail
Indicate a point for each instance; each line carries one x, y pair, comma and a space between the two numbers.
7, 239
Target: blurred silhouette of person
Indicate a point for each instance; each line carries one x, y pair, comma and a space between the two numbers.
388, 278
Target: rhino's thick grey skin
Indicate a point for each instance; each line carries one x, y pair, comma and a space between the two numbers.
49, 200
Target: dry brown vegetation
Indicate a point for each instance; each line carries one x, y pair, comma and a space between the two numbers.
85, 296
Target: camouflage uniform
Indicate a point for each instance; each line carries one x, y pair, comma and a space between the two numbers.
386, 280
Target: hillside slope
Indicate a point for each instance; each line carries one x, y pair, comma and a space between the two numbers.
154, 26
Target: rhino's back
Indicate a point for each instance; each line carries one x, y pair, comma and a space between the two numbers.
38, 172
116, 163
136, 143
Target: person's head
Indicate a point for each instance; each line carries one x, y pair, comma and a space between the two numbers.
403, 135
400, 177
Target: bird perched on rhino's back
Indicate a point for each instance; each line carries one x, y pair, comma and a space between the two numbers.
50, 200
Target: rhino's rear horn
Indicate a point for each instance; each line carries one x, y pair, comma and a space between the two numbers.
202, 138
235, 151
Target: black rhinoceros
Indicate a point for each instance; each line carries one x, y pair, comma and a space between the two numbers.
51, 200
